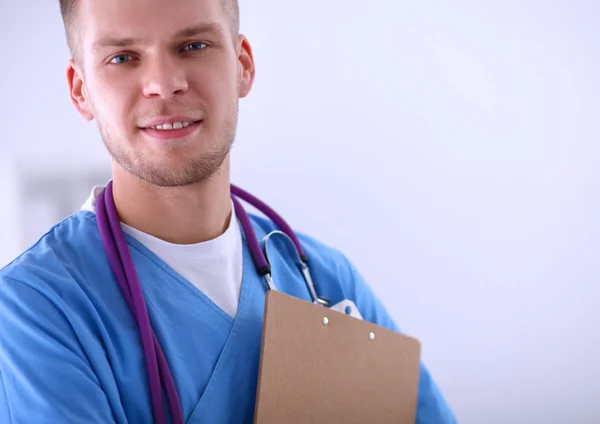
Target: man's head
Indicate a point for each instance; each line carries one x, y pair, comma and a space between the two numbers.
140, 63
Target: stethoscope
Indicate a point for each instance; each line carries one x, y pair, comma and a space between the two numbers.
121, 263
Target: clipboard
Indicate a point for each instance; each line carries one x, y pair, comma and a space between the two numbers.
322, 366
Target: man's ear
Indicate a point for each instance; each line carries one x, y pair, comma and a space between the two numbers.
77, 90
247, 69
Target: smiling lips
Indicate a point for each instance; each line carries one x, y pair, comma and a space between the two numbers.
171, 128
174, 126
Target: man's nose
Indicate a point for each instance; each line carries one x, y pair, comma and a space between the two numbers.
164, 78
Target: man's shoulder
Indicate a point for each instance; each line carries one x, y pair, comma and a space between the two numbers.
61, 251
331, 268
316, 250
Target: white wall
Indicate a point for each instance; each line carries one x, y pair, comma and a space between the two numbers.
451, 149
10, 219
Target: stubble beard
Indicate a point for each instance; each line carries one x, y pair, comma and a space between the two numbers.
194, 170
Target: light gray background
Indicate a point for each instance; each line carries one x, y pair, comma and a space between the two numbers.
451, 149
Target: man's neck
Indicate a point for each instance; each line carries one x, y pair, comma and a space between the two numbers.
181, 215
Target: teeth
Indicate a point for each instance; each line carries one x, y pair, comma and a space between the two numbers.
173, 126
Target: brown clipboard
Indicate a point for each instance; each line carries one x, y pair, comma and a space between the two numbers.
322, 366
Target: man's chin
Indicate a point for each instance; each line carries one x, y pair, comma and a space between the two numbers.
178, 172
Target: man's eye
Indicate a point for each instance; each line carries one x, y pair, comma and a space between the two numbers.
122, 58
197, 46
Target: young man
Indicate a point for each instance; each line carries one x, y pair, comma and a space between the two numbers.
163, 81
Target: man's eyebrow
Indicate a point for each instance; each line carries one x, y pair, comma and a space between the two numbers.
204, 28
192, 31
113, 42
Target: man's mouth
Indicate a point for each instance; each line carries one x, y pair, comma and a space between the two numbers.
173, 125
171, 129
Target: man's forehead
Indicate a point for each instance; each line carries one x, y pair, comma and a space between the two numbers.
142, 18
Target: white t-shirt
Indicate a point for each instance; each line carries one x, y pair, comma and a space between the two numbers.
214, 266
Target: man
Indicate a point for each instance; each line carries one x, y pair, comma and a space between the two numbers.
163, 81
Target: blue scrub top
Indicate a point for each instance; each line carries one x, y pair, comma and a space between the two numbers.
70, 349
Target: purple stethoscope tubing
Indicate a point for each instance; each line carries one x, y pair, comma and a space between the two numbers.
121, 263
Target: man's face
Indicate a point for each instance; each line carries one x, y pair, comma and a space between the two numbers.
154, 62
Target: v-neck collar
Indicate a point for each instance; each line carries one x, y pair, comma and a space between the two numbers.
243, 342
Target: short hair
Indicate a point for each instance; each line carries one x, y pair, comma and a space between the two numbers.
68, 9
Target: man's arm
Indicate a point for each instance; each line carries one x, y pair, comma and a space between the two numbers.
432, 407
45, 375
